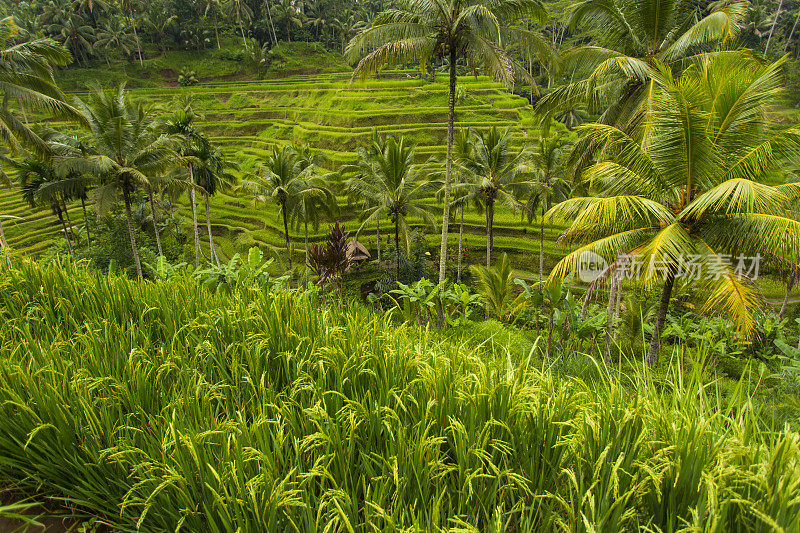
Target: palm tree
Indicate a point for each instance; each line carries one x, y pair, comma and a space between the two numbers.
76, 35
693, 188
125, 149
315, 201
284, 177
41, 185
492, 173
181, 127
212, 173
241, 12
394, 187
286, 14
114, 36
127, 6
470, 30
618, 80
552, 184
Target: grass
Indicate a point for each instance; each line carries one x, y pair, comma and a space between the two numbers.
163, 406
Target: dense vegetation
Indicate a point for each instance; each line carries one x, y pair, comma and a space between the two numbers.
529, 265
156, 406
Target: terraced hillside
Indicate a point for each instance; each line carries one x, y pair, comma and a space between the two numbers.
335, 117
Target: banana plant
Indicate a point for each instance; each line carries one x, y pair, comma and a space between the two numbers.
459, 303
416, 301
237, 272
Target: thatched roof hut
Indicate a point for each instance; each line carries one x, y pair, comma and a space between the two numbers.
357, 252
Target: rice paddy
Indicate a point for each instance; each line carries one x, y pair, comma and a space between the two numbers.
166, 407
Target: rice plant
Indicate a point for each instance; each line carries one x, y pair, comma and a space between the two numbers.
167, 406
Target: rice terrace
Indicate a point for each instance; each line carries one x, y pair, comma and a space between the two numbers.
400, 265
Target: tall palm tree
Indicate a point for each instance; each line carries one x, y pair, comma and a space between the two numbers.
617, 78
125, 149
42, 185
241, 12
693, 188
114, 36
395, 188
552, 183
212, 174
470, 30
180, 126
315, 201
77, 36
494, 173
283, 178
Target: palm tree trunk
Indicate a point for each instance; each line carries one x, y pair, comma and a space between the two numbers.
212, 248
541, 249
378, 235
216, 30
772, 29
305, 223
397, 246
4, 244
460, 243
193, 199
271, 25
69, 220
60, 214
451, 112
612, 298
241, 27
655, 341
789, 286
489, 230
86, 223
132, 233
286, 233
791, 33
141, 61
155, 225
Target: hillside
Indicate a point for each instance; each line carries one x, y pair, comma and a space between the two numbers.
334, 116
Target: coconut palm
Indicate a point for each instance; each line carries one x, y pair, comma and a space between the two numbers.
42, 185
552, 184
240, 11
125, 149
394, 187
26, 76
691, 192
315, 202
617, 77
212, 173
76, 35
114, 37
283, 178
180, 126
492, 173
470, 30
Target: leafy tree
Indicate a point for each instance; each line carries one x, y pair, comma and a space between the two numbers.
470, 30
693, 188
394, 187
125, 149
493, 172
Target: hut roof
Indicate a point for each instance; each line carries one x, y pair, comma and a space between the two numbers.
357, 251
